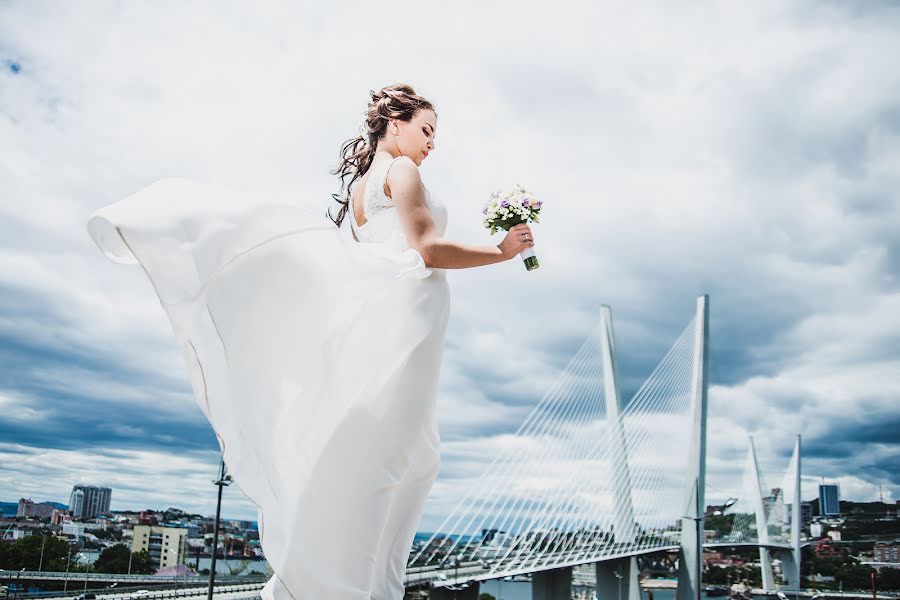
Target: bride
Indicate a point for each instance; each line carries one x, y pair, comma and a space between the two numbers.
315, 357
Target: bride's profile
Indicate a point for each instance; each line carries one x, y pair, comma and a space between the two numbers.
314, 355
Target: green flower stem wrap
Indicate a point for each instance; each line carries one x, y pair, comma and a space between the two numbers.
507, 208
527, 255
530, 260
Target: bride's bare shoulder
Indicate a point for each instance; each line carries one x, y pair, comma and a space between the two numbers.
403, 175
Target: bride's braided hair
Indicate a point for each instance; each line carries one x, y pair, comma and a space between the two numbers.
398, 101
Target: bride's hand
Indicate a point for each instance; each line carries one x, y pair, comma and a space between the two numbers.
517, 239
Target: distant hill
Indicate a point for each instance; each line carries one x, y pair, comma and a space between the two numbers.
9, 509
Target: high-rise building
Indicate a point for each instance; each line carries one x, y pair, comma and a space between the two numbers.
807, 513
166, 545
88, 501
829, 500
26, 508
773, 506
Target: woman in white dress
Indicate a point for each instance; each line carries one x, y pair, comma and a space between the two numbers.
314, 357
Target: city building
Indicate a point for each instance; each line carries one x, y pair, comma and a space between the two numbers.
74, 529
887, 552
829, 500
28, 508
166, 545
806, 512
773, 505
88, 501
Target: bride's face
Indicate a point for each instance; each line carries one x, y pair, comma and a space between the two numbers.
416, 136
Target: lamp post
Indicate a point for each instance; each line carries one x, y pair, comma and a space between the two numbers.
68, 560
455, 575
86, 570
41, 562
619, 575
184, 555
176, 569
130, 555
18, 578
223, 480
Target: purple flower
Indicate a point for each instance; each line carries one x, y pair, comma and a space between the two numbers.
537, 204
484, 210
525, 202
505, 203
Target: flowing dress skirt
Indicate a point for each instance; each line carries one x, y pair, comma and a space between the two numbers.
315, 360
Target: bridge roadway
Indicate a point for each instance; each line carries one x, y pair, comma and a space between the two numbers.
438, 575
99, 584
135, 578
480, 570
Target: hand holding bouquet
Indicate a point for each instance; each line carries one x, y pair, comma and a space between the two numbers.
508, 208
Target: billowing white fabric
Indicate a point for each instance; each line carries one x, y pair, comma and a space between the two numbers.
315, 359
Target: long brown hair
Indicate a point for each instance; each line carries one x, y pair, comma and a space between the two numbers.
398, 101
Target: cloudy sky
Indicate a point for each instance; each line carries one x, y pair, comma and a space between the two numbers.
750, 151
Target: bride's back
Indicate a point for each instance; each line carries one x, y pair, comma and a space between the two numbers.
373, 217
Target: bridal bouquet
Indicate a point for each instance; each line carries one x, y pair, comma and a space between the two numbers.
508, 208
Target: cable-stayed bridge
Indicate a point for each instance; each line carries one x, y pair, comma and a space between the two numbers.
590, 478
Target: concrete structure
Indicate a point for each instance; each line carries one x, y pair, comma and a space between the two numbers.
610, 574
690, 554
588, 490
887, 552
552, 585
762, 527
815, 530
88, 501
72, 528
28, 508
829, 500
166, 545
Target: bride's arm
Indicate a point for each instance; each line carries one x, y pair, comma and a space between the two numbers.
408, 195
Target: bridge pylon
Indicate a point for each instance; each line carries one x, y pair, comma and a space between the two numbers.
617, 579
790, 560
762, 525
690, 555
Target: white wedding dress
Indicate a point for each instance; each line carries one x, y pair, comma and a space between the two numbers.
315, 359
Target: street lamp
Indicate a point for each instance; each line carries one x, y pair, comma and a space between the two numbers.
86, 570
68, 560
619, 575
176, 569
18, 578
223, 480
455, 575
41, 562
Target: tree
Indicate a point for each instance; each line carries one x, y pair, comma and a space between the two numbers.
114, 560
141, 563
486, 597
25, 553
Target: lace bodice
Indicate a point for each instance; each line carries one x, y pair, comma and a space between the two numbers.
382, 222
